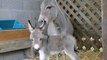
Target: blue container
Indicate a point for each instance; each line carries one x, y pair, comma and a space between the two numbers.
10, 25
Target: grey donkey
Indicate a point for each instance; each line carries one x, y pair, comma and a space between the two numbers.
52, 44
53, 19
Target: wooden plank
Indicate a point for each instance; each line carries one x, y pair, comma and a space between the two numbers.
14, 35
105, 28
15, 45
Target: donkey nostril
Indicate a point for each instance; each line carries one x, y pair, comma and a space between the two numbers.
44, 21
41, 21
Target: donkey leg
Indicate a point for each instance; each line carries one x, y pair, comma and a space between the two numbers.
72, 54
43, 55
69, 44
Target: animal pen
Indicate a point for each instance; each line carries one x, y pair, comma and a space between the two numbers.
86, 18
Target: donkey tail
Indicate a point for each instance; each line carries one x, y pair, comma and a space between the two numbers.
76, 47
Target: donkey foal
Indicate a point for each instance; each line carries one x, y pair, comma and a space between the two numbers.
53, 44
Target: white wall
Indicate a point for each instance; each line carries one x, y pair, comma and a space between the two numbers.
21, 10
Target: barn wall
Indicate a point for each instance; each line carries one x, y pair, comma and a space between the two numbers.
21, 10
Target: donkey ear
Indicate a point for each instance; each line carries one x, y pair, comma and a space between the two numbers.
30, 27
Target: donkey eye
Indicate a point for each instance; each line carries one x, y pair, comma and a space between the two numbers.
40, 39
49, 7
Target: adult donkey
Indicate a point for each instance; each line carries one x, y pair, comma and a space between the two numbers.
53, 44
54, 19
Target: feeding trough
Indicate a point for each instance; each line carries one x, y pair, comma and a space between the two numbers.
14, 40
12, 30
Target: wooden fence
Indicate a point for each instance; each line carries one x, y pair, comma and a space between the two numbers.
85, 15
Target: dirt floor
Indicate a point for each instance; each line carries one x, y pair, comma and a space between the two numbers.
89, 55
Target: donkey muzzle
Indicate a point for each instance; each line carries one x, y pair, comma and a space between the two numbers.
37, 50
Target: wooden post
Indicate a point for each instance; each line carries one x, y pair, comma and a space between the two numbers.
105, 28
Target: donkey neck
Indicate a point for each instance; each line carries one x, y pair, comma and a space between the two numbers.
52, 29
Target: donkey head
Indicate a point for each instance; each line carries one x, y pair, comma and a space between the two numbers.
48, 12
36, 35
